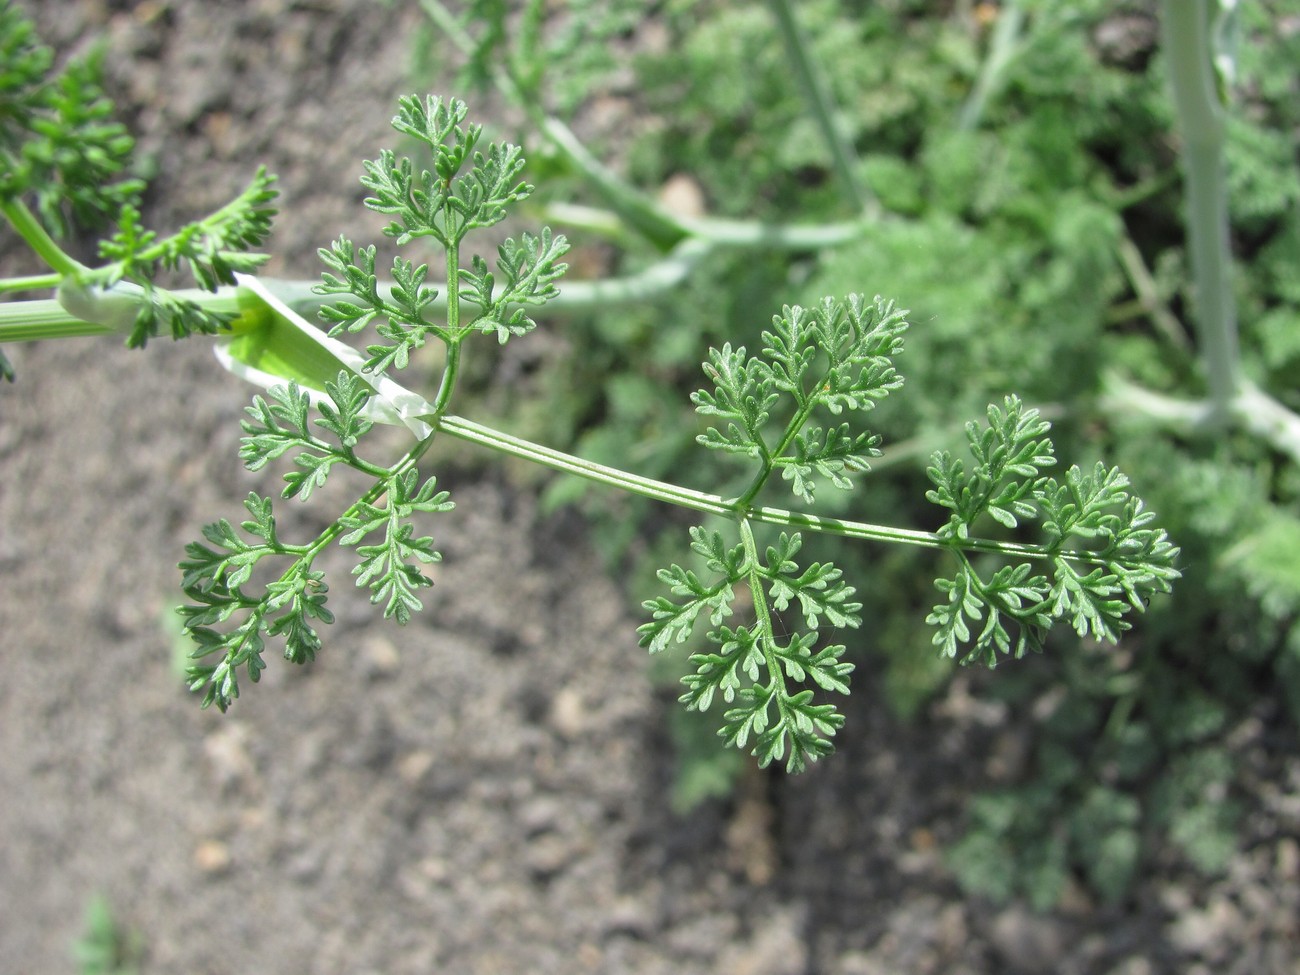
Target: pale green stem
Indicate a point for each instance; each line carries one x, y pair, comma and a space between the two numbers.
770, 458
1187, 44
1144, 286
777, 236
45, 318
30, 321
762, 612
1002, 46
637, 209
1251, 408
713, 504
39, 240
33, 282
817, 93
23, 321
455, 334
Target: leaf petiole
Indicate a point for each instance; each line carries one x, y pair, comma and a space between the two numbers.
713, 504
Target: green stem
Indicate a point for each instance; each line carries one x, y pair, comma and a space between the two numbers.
762, 612
638, 210
449, 371
33, 282
23, 321
1002, 46
1187, 43
450, 368
31, 321
377, 490
713, 504
38, 239
1253, 410
817, 92
770, 458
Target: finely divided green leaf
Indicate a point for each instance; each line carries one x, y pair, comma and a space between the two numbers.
836, 356
673, 617
389, 567
528, 269
1009, 453
721, 672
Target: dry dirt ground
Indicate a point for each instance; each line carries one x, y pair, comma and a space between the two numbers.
483, 791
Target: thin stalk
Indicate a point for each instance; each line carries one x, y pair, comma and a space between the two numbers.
39, 240
770, 458
456, 335
1144, 286
762, 612
450, 370
45, 318
33, 282
844, 161
376, 492
635, 207
556, 460
1187, 43
713, 504
1011, 16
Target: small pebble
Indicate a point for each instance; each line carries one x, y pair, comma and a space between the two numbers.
212, 857
568, 713
1028, 942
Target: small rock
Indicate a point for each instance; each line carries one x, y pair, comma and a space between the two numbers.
412, 767
379, 658
212, 857
1197, 932
1028, 942
540, 815
547, 856
568, 713
682, 196
227, 754
631, 916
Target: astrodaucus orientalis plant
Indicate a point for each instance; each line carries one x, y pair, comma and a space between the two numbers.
1027, 181
795, 408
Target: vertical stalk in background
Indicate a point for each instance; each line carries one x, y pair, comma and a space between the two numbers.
1186, 38
640, 212
1002, 46
817, 92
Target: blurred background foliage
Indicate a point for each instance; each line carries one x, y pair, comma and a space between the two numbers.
1029, 213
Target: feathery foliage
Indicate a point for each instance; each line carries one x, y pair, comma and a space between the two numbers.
795, 409
65, 162
838, 358
466, 189
1090, 513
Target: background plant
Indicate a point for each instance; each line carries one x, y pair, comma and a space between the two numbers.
106, 947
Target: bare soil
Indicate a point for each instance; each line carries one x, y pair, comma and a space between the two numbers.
484, 791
